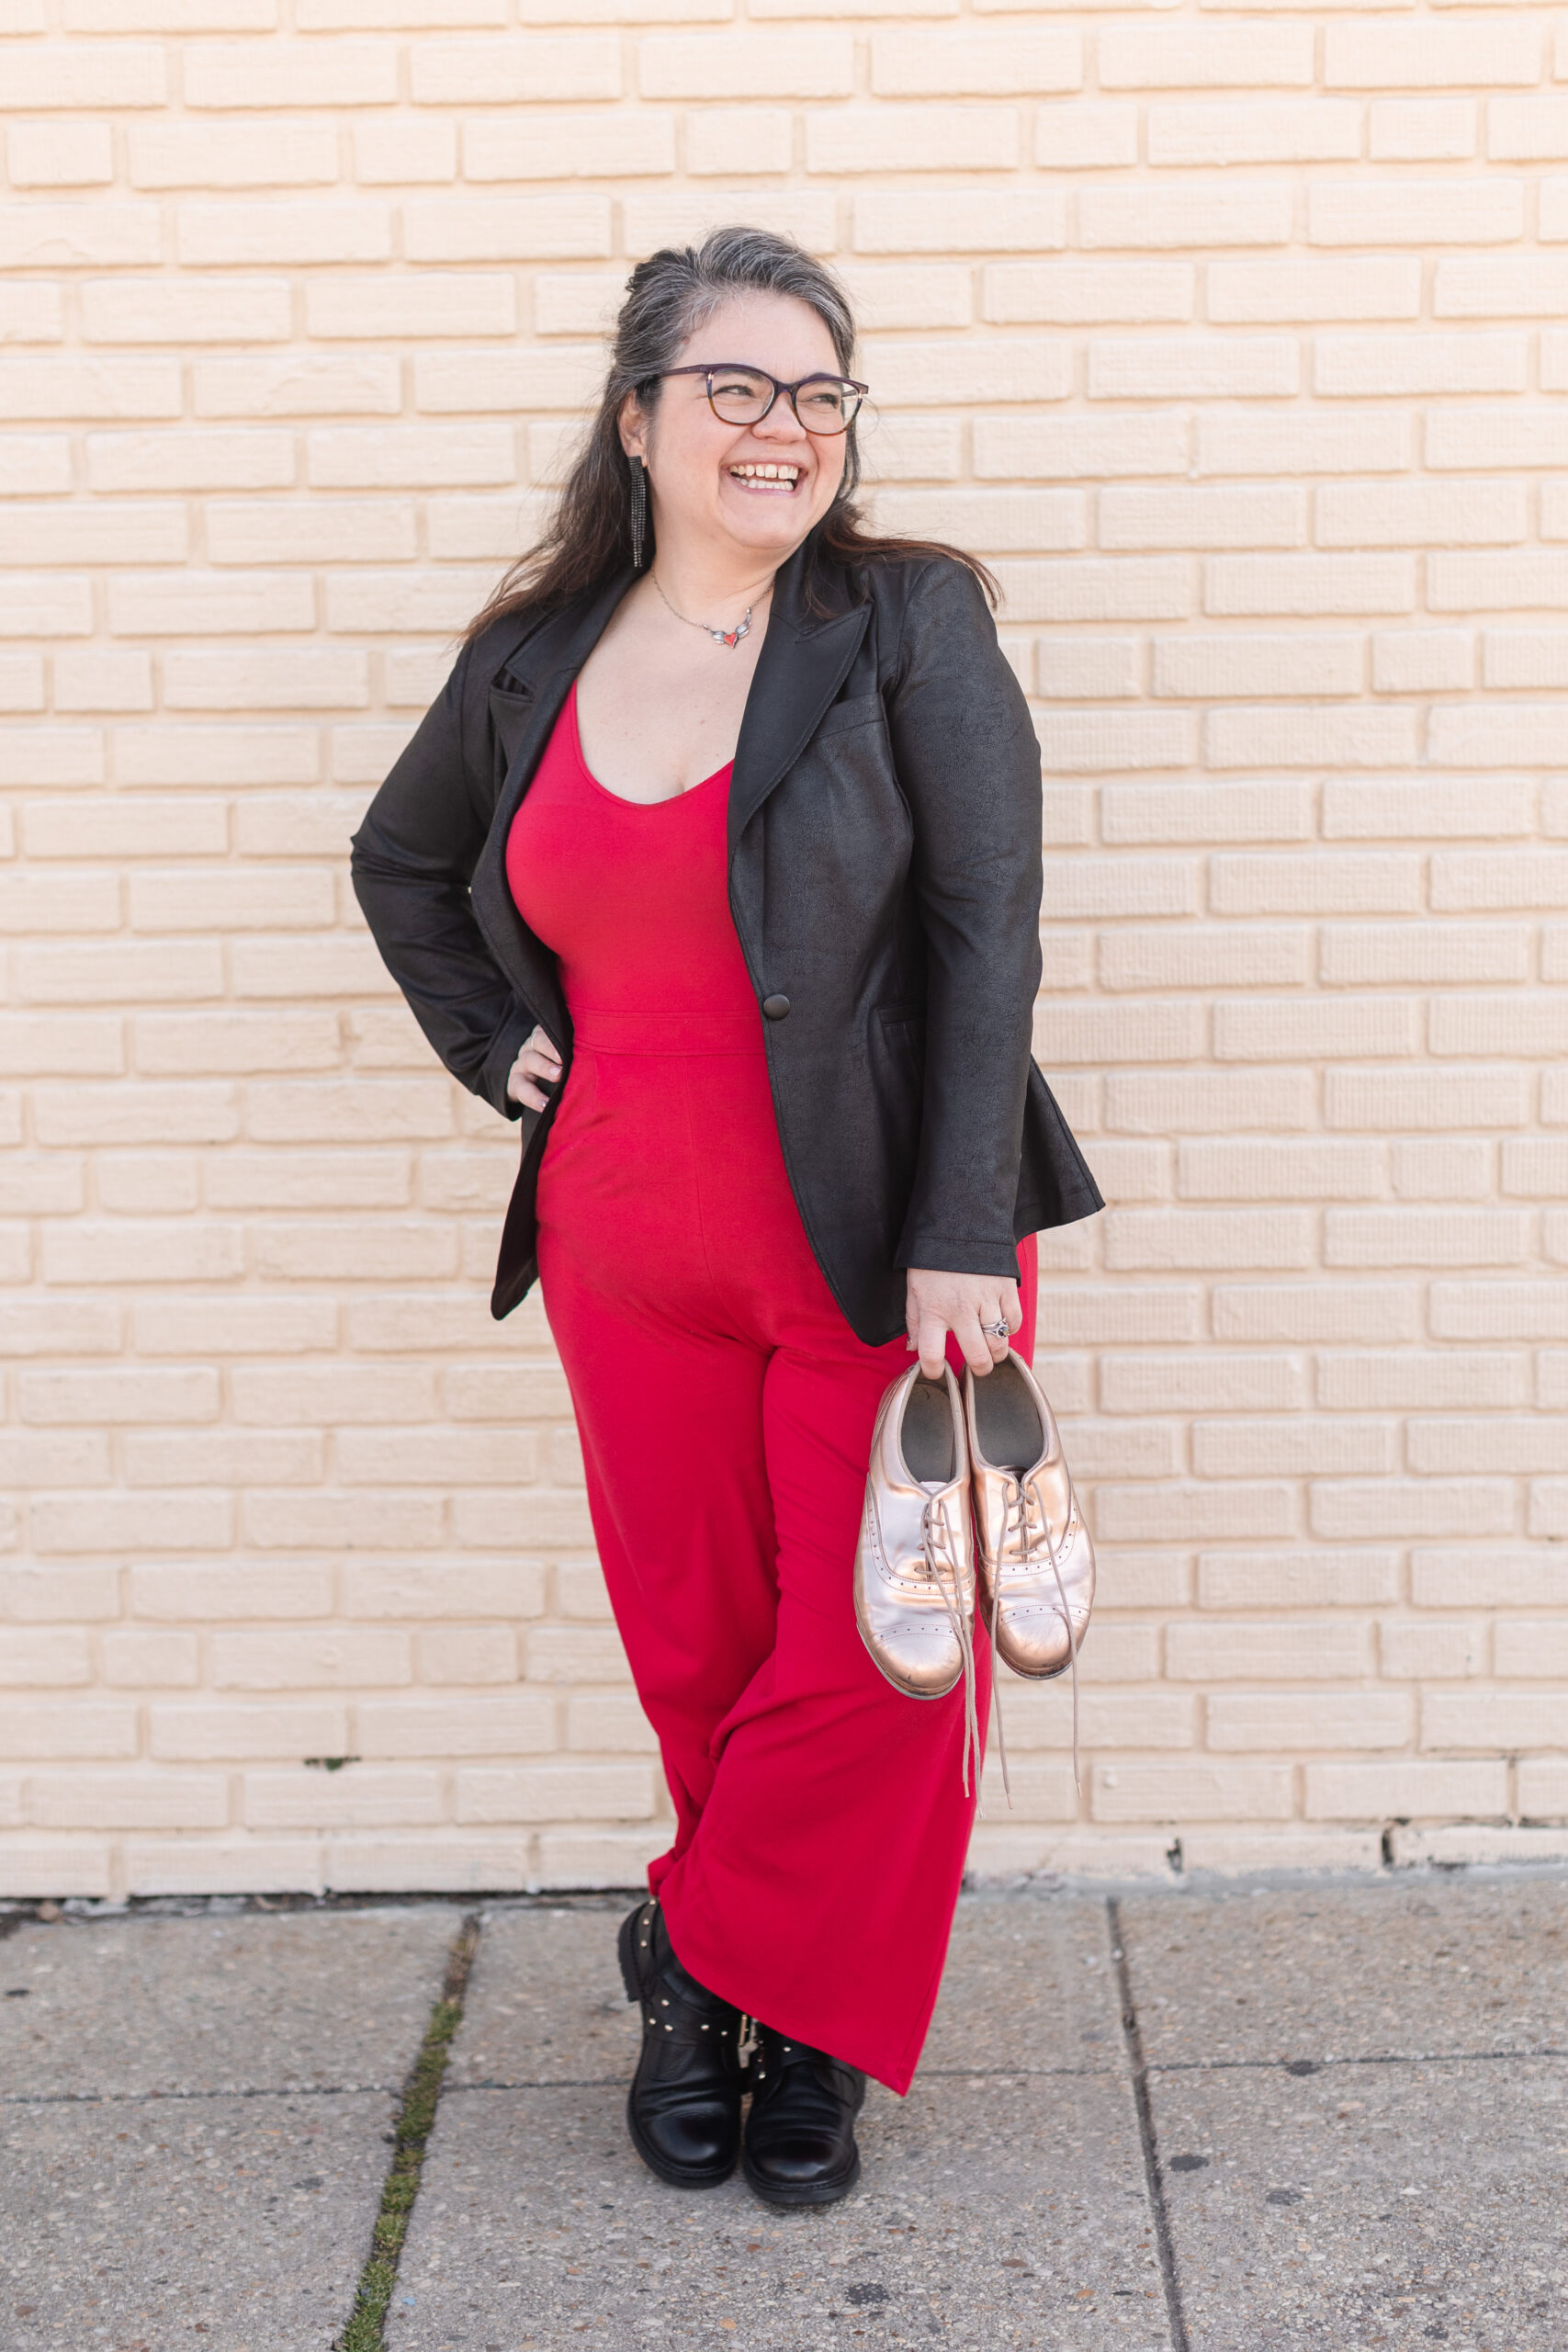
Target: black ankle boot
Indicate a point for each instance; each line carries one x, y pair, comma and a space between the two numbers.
683, 2108
800, 2135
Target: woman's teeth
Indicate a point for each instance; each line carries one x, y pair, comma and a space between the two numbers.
773, 478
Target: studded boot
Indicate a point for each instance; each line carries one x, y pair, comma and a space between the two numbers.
800, 2134
684, 2107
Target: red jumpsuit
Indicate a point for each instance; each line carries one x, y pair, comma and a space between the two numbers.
726, 1408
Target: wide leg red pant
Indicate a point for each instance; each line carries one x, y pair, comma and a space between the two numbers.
726, 1410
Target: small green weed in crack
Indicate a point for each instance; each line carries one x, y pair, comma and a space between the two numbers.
416, 2117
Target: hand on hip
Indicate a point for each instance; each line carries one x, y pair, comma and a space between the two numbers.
538, 1058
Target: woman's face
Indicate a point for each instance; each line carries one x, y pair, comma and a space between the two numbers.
704, 474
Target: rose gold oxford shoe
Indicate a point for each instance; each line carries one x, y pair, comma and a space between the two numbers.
1035, 1560
914, 1563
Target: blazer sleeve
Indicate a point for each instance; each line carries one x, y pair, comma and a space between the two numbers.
968, 764
411, 861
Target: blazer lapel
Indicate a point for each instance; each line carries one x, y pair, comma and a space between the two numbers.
539, 675
803, 663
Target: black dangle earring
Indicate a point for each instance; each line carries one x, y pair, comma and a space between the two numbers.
639, 511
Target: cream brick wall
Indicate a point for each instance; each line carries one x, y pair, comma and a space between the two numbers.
1235, 340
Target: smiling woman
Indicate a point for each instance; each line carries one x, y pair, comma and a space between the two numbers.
671, 298
718, 862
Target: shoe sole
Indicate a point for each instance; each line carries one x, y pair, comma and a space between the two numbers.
826, 2191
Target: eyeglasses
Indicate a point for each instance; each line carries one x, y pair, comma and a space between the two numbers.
742, 395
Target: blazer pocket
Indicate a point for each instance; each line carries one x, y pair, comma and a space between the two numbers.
840, 718
508, 710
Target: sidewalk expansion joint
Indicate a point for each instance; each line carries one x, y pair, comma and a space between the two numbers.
1013, 2074
927, 2075
1366, 2058
1180, 2339
365, 2329
159, 2099
527, 2083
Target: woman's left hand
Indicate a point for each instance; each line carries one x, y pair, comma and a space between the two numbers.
936, 1304
537, 1060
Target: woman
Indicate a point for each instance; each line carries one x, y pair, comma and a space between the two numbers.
717, 862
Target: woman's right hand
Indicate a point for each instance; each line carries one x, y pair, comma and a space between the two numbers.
537, 1059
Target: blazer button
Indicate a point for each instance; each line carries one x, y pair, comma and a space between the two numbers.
776, 1007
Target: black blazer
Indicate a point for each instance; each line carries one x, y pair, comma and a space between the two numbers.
885, 879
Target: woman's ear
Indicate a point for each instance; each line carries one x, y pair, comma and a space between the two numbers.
633, 427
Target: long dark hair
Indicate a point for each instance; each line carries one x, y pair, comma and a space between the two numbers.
668, 296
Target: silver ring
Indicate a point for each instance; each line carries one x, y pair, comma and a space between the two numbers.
995, 1331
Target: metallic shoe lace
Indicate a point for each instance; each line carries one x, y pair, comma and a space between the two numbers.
944, 1570
1025, 1520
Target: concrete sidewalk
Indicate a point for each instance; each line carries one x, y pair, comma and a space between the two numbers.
1222, 2120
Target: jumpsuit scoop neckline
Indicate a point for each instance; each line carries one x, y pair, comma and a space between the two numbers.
725, 1408
632, 897
623, 799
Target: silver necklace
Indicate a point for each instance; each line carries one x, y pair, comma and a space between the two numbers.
730, 636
